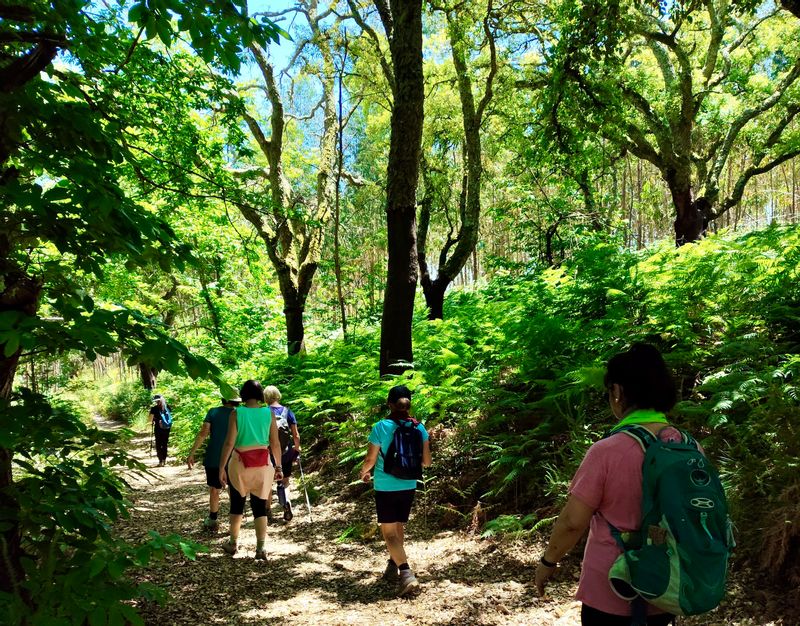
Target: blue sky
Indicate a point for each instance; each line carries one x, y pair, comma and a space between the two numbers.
282, 52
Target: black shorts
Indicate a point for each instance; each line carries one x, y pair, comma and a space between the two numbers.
212, 477
394, 506
287, 459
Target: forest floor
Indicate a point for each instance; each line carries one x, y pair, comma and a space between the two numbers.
312, 577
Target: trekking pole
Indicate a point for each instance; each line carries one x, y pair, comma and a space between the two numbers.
303, 478
425, 502
152, 438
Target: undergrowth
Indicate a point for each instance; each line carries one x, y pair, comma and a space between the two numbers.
510, 383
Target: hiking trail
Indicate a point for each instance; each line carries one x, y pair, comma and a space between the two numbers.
312, 577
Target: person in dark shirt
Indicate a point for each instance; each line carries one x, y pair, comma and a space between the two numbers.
161, 420
216, 425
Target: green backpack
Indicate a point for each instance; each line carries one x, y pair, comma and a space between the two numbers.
678, 559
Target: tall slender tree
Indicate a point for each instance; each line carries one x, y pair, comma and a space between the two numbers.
458, 247
293, 226
402, 21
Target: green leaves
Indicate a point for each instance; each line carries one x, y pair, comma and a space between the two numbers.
219, 30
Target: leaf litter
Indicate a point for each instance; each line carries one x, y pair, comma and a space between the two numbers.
328, 571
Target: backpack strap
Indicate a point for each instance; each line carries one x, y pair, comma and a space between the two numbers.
399, 422
640, 434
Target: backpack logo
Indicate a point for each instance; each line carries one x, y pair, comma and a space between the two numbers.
403, 459
678, 559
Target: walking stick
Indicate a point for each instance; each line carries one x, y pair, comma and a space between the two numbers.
152, 437
303, 478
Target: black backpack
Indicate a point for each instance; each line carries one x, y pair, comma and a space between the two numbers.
403, 459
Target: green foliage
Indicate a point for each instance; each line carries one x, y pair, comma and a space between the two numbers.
123, 402
69, 494
514, 525
511, 382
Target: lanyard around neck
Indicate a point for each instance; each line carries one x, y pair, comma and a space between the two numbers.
642, 416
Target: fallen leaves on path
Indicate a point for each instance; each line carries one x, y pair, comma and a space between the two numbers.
311, 578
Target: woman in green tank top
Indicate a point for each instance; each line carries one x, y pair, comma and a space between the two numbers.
252, 433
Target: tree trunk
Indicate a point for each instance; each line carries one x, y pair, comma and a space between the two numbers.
21, 294
294, 306
405, 26
148, 376
792, 5
295, 330
690, 223
434, 297
337, 256
463, 244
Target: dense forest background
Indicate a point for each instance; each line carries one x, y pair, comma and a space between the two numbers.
197, 193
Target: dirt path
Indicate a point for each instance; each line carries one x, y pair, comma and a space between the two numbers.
311, 578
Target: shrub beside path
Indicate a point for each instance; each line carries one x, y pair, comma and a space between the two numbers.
311, 577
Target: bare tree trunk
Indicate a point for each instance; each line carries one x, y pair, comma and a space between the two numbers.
294, 245
463, 244
404, 29
337, 261
689, 220
20, 293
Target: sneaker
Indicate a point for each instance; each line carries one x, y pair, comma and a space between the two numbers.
210, 524
261, 555
229, 547
390, 574
287, 512
407, 583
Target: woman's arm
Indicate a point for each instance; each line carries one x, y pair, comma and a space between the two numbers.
426, 453
572, 522
205, 429
227, 447
275, 447
296, 437
369, 461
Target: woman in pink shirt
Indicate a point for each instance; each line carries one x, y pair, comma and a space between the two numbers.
607, 488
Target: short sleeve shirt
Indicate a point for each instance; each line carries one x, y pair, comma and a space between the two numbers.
283, 411
381, 435
609, 480
217, 418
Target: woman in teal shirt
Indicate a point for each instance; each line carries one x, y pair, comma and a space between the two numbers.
394, 496
252, 433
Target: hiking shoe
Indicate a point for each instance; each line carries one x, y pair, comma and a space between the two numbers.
261, 555
287, 512
390, 574
407, 584
210, 524
230, 548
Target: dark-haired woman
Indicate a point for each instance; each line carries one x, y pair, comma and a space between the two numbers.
607, 488
252, 433
394, 496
